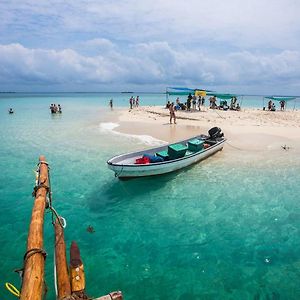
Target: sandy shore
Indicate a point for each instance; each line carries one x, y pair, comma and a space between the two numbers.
249, 130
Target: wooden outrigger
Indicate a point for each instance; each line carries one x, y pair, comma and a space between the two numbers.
70, 282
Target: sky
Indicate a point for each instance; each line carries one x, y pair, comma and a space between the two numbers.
249, 46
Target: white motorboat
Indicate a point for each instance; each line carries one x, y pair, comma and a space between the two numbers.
167, 158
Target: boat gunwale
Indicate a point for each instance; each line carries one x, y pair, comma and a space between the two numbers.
167, 161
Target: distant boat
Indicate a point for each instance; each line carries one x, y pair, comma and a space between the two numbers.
168, 158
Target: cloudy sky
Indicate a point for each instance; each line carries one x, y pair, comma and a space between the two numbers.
249, 46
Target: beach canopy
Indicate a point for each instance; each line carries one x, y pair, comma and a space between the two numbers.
281, 98
185, 91
223, 96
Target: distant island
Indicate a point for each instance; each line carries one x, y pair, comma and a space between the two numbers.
126, 92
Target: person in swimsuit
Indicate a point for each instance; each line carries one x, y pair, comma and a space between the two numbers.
172, 113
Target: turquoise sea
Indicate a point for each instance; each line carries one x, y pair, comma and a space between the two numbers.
227, 228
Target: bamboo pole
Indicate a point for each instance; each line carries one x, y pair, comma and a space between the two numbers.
33, 276
62, 275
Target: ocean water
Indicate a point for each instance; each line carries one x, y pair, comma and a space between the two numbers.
227, 228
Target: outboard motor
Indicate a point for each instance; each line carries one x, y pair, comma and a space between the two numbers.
215, 133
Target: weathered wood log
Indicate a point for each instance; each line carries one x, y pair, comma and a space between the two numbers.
34, 260
77, 276
111, 296
62, 274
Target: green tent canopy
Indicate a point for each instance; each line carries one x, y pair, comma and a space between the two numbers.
223, 96
182, 91
281, 98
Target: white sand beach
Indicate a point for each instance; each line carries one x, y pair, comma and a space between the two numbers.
248, 129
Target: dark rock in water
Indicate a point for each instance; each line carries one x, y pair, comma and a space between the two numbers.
90, 229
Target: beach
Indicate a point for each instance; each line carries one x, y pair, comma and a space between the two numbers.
249, 128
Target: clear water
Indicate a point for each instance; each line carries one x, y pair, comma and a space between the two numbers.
227, 228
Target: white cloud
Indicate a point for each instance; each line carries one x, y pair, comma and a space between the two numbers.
151, 42
243, 24
156, 64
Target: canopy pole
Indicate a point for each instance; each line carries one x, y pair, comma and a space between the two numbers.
167, 96
263, 99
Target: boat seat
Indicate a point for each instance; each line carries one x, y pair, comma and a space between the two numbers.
163, 154
195, 145
177, 151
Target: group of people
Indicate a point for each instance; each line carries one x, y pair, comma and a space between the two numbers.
272, 107
192, 103
55, 109
134, 102
224, 104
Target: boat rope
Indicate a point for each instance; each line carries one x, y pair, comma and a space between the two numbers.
118, 174
54, 273
38, 185
218, 114
33, 251
12, 289
235, 146
27, 255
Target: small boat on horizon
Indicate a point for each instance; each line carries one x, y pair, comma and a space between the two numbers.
167, 158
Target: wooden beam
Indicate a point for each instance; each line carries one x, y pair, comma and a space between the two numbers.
62, 274
33, 276
77, 276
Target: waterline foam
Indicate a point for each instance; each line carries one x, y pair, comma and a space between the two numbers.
141, 139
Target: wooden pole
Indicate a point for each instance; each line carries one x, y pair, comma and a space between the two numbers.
33, 276
62, 275
77, 276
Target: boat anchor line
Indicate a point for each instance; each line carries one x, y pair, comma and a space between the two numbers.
118, 174
226, 142
167, 115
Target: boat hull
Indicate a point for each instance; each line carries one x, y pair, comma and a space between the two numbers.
131, 171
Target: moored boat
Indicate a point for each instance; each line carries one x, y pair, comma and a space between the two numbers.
167, 158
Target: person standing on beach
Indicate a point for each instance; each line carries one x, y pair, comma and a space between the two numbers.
131, 102
199, 103
188, 102
270, 105
111, 104
172, 113
137, 101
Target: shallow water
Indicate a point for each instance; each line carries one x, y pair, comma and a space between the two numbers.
227, 228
